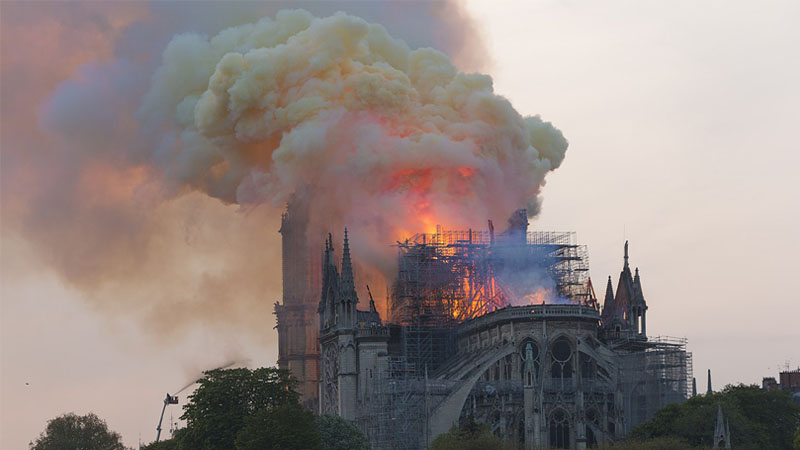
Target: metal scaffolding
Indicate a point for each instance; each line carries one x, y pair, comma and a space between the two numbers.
453, 276
396, 416
653, 375
448, 277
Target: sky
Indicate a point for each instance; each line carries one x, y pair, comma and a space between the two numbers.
680, 118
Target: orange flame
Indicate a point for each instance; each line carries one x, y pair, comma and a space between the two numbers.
540, 297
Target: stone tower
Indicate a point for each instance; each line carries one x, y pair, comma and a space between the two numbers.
339, 318
625, 314
298, 321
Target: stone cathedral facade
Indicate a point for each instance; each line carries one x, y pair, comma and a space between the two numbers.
353, 343
564, 373
545, 376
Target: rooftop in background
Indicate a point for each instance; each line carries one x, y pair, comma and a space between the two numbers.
789, 380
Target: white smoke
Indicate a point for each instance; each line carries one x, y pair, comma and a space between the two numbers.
152, 180
391, 140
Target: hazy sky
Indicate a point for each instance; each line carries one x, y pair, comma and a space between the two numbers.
681, 119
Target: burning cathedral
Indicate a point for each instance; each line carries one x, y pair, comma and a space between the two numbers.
504, 329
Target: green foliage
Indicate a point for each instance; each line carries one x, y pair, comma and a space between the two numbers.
662, 443
759, 420
287, 427
169, 444
74, 432
339, 434
470, 436
797, 438
218, 409
257, 409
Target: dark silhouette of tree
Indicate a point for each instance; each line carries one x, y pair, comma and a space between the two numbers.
759, 420
470, 436
168, 444
74, 432
287, 427
797, 438
339, 434
225, 398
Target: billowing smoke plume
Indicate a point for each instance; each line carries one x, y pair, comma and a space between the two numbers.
154, 184
384, 139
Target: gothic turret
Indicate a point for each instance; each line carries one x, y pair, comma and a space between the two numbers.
624, 314
345, 332
709, 391
337, 306
722, 432
348, 287
348, 299
639, 305
608, 302
328, 312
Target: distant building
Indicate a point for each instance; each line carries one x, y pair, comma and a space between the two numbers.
789, 381
770, 384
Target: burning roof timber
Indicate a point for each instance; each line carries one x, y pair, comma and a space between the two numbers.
453, 276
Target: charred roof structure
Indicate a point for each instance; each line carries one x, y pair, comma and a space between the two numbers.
504, 329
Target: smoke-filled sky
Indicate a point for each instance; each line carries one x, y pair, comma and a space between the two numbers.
140, 207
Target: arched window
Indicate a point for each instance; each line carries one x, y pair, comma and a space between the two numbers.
559, 430
562, 356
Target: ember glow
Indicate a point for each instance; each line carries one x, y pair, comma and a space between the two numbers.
540, 297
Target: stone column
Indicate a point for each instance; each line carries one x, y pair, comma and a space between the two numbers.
528, 397
580, 420
348, 377
644, 321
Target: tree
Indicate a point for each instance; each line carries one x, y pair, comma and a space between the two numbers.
759, 420
169, 444
797, 438
287, 427
74, 432
339, 434
218, 409
470, 436
662, 443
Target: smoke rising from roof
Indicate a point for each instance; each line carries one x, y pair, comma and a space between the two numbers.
159, 196
391, 140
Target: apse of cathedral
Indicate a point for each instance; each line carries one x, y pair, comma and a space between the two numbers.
501, 329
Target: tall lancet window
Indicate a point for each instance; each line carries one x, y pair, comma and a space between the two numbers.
559, 429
